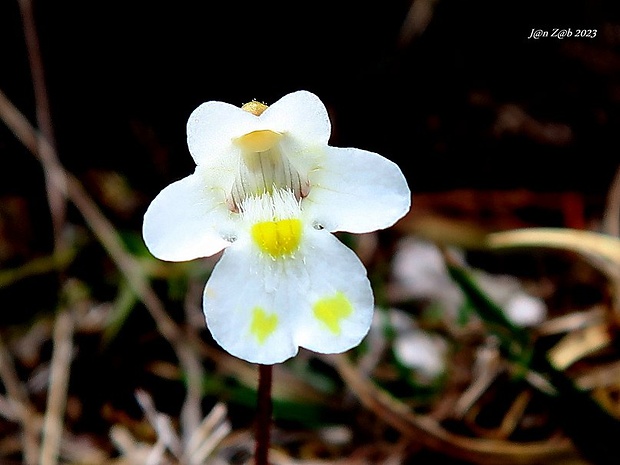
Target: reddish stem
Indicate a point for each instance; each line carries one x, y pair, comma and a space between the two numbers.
263, 415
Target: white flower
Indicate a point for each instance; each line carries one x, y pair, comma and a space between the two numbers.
526, 310
422, 351
269, 189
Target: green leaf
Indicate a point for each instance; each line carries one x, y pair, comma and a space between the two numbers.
515, 342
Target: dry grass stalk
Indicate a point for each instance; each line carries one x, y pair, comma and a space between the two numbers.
105, 232
58, 385
19, 406
425, 430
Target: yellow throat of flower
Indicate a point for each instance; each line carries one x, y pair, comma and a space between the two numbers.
277, 238
275, 223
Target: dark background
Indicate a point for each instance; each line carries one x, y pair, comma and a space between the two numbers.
124, 76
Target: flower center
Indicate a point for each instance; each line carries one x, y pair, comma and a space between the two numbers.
277, 238
274, 222
263, 165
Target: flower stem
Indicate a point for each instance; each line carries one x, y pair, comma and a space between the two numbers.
263, 415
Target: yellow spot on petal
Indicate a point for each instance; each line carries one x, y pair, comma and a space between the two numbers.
277, 238
330, 310
263, 324
258, 141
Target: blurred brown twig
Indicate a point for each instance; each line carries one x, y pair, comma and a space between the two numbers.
45, 146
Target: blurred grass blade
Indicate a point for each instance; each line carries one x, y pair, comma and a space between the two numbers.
124, 303
586, 242
591, 428
514, 341
578, 344
58, 261
600, 250
305, 411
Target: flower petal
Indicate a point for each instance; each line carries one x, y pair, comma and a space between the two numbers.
303, 121
300, 115
357, 191
338, 303
261, 310
212, 127
186, 221
244, 312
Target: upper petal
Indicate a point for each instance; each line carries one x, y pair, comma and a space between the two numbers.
212, 127
187, 220
301, 116
357, 191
